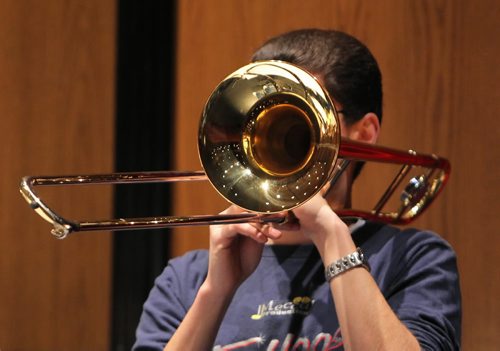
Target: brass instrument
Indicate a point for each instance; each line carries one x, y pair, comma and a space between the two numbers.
269, 139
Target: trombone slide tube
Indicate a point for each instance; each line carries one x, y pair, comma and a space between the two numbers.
62, 227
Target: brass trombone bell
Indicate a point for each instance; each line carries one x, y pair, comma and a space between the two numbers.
269, 140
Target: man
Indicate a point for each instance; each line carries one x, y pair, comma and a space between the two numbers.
262, 287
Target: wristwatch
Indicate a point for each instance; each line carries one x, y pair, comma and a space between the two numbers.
356, 259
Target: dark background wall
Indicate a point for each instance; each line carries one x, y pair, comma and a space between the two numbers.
143, 141
72, 84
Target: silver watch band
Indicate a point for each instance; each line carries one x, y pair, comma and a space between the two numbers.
346, 263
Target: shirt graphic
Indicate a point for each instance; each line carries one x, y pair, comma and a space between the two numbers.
321, 342
299, 305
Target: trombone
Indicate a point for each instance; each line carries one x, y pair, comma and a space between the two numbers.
269, 140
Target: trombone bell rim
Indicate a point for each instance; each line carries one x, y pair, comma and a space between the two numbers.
248, 151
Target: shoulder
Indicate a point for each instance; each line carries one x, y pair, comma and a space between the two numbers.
191, 268
417, 273
405, 259
169, 299
181, 278
387, 243
195, 257
175, 288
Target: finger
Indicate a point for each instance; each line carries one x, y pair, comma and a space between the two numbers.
270, 231
291, 223
260, 232
289, 226
251, 230
266, 230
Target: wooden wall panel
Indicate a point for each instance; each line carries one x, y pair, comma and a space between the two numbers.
439, 62
57, 110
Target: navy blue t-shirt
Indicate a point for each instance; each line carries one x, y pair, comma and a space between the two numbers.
287, 305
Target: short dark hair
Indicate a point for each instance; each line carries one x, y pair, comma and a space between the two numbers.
347, 68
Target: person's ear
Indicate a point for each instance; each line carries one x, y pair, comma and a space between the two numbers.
366, 129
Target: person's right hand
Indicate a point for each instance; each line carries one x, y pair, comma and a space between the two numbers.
235, 251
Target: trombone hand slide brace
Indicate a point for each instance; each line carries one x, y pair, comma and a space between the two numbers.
62, 227
269, 140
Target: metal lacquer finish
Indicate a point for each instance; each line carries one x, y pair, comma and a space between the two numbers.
62, 227
269, 137
269, 140
417, 195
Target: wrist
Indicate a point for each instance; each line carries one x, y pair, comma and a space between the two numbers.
346, 263
335, 243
